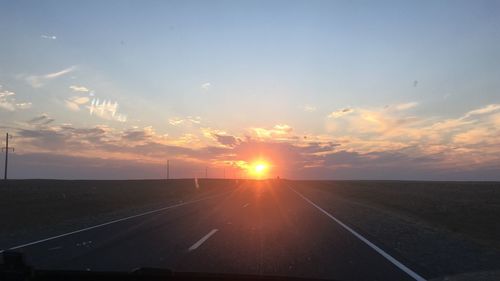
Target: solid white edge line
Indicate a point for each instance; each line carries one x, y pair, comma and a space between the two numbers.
111, 222
202, 240
401, 266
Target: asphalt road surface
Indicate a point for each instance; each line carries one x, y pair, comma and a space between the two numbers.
266, 228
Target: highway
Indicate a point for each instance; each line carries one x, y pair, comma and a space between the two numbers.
260, 227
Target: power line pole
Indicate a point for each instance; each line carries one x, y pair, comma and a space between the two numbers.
206, 172
6, 149
168, 169
224, 172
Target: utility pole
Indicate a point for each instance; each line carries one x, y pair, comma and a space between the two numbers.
206, 172
6, 149
224, 172
168, 169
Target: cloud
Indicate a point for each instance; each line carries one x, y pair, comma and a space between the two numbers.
206, 86
59, 73
283, 128
466, 119
79, 88
484, 110
391, 119
8, 101
189, 120
280, 131
226, 140
103, 141
476, 136
23, 105
43, 119
176, 121
37, 81
340, 113
75, 103
370, 143
51, 37
5, 103
106, 110
469, 141
397, 154
136, 145
139, 135
309, 108
405, 106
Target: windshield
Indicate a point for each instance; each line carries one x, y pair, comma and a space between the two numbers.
341, 140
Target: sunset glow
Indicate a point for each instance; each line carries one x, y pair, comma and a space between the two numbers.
259, 169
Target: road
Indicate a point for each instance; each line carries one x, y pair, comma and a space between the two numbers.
265, 227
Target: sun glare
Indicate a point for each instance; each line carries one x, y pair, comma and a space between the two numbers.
259, 169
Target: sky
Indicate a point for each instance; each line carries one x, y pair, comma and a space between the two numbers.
403, 90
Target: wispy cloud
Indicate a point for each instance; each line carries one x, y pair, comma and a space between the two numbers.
79, 88
37, 81
51, 37
176, 121
8, 101
405, 106
483, 110
278, 132
43, 119
308, 108
340, 113
75, 103
23, 105
106, 109
103, 108
189, 120
206, 86
466, 119
59, 73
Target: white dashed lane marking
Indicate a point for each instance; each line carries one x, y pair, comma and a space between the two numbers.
202, 240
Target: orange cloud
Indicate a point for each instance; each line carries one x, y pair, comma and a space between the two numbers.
366, 142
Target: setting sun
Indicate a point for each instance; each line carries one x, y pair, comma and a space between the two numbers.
259, 169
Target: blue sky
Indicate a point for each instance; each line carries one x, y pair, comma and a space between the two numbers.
415, 79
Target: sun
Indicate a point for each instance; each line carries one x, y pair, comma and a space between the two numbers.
259, 169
